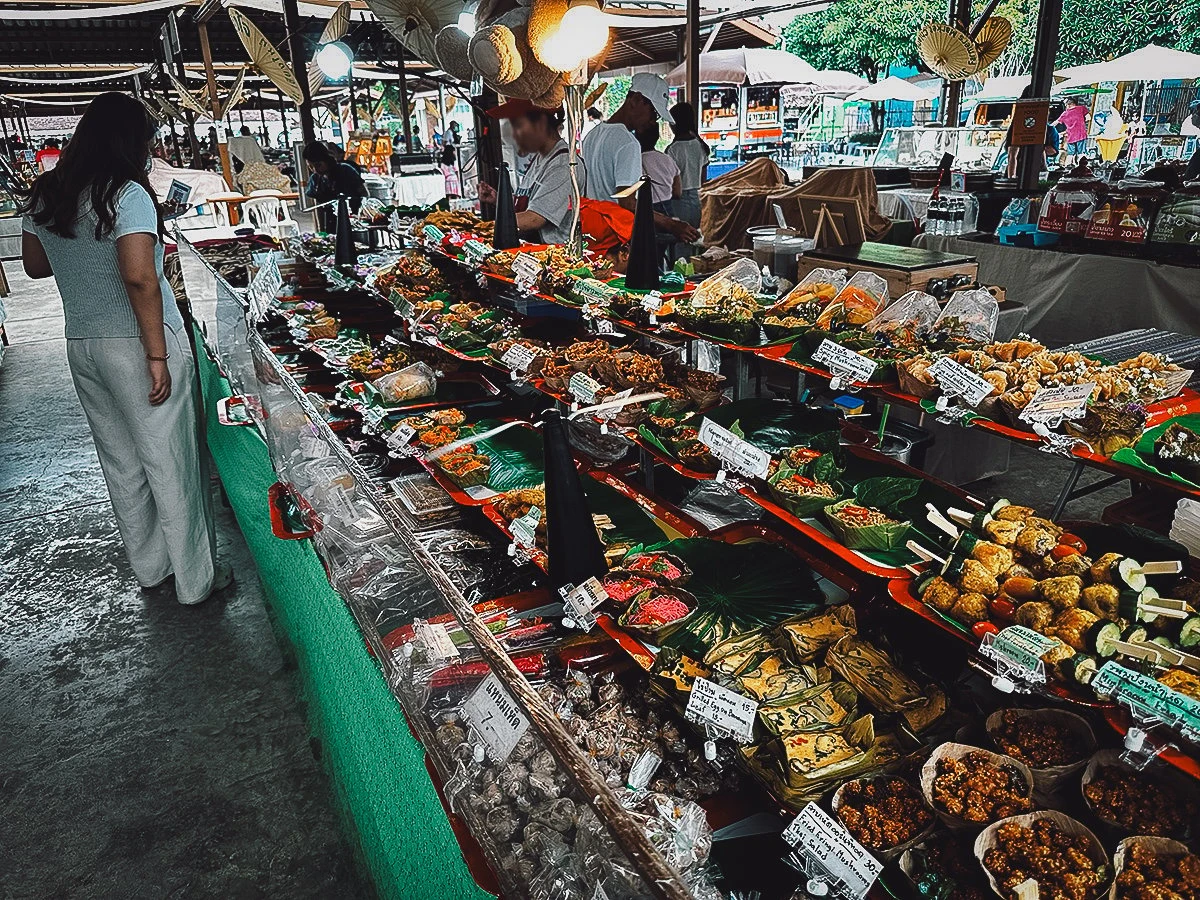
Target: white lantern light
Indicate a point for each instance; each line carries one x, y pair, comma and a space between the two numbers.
335, 59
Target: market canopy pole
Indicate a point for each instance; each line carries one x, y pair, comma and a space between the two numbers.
691, 49
1045, 48
214, 102
960, 18
291, 24
404, 113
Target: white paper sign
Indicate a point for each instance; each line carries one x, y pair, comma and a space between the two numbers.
825, 841
433, 234
581, 601
1053, 404
734, 453
435, 640
477, 251
525, 271
584, 388
616, 410
723, 709
496, 717
653, 302
844, 362
518, 358
959, 381
524, 529
401, 436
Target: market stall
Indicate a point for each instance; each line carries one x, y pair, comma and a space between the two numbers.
685, 582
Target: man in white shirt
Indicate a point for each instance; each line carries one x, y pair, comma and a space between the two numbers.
544, 198
614, 157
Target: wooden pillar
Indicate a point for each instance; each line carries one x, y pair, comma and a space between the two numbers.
404, 114
291, 24
1045, 47
691, 49
215, 105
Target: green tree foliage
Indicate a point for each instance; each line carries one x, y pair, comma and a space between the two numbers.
1094, 30
863, 36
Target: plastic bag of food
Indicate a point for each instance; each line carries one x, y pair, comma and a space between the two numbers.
410, 383
817, 288
906, 320
740, 280
861, 300
969, 316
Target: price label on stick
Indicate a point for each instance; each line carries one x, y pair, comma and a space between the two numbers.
1050, 405
524, 529
653, 302
477, 251
581, 602
959, 381
722, 709
735, 454
834, 856
435, 641
401, 436
584, 388
844, 362
518, 358
496, 717
433, 234
525, 271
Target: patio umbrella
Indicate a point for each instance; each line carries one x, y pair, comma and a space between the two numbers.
748, 66
1151, 63
892, 88
835, 81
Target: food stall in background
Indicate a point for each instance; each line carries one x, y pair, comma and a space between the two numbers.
741, 122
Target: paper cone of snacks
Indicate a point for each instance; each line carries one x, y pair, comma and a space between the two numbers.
1048, 779
991, 839
1176, 786
885, 851
929, 774
1155, 845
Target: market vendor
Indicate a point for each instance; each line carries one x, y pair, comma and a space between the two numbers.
544, 199
331, 178
614, 156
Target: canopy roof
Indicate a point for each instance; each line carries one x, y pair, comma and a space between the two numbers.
893, 88
748, 66
1151, 63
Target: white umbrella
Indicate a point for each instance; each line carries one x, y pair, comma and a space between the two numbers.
892, 88
835, 81
748, 66
1009, 87
1151, 63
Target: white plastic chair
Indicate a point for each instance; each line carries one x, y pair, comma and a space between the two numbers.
267, 212
220, 207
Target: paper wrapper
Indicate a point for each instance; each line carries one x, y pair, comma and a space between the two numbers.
1158, 845
958, 751
989, 838
1112, 757
1048, 780
892, 852
909, 384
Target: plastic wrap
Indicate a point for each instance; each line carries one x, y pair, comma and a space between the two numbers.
906, 320
862, 299
969, 317
740, 280
413, 382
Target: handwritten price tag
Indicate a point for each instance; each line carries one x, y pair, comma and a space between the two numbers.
844, 362
1050, 405
433, 234
518, 358
477, 251
959, 381
581, 602
526, 270
653, 302
401, 436
724, 710
524, 529
496, 717
584, 388
837, 855
734, 453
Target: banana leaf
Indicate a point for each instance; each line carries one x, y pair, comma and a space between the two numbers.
631, 523
773, 424
738, 587
1143, 456
516, 455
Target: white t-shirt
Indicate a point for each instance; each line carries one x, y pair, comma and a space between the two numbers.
1189, 127
692, 158
613, 158
661, 170
547, 184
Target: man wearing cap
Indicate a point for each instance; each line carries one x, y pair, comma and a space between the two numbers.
544, 199
614, 156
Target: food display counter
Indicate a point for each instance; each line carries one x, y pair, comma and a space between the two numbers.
655, 606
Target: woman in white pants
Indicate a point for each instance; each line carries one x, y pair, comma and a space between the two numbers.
92, 222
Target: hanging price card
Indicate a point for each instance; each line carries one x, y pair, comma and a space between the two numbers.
518, 358
526, 270
844, 362
838, 856
524, 529
584, 388
653, 302
1017, 652
734, 453
433, 234
404, 307
1149, 698
401, 436
959, 381
722, 709
496, 718
1050, 405
477, 251
591, 290
581, 602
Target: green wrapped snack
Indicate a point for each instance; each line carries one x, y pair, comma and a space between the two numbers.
864, 527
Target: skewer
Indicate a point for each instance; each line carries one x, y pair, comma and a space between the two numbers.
924, 552
935, 516
617, 404
960, 517
1165, 567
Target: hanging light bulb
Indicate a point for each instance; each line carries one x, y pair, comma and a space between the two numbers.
335, 59
580, 35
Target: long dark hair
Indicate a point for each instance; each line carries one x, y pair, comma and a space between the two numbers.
109, 149
683, 123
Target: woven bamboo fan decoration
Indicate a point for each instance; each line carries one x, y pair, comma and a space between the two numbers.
237, 93
414, 23
993, 37
596, 93
335, 30
186, 97
947, 51
265, 57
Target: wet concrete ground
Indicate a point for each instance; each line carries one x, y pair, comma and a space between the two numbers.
147, 750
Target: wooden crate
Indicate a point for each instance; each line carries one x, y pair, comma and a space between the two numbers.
904, 268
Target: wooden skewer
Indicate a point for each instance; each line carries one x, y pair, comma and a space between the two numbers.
1165, 567
935, 516
924, 552
1166, 606
959, 517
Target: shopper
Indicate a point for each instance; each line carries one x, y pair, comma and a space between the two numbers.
665, 186
544, 199
47, 158
614, 156
92, 223
691, 155
244, 148
331, 178
1191, 122
1074, 120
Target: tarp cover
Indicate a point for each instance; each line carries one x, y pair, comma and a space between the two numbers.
742, 199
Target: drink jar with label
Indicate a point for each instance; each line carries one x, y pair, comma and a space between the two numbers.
1177, 226
1069, 205
1125, 215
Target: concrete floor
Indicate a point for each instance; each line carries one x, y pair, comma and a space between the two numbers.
147, 750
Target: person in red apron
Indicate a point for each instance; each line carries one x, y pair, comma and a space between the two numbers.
544, 199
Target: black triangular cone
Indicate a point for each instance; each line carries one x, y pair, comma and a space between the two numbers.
642, 271
572, 544
505, 236
344, 253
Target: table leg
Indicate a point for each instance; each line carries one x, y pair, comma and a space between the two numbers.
646, 466
1064, 496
